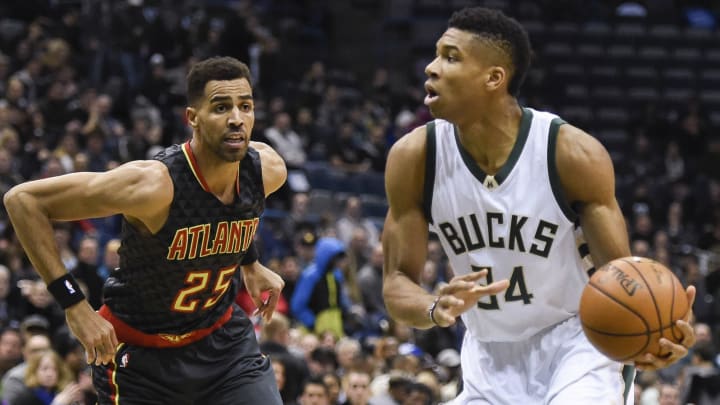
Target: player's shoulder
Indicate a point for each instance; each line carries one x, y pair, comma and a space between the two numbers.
576, 145
412, 145
143, 170
273, 166
584, 165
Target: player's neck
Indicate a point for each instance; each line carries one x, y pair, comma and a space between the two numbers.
220, 175
490, 136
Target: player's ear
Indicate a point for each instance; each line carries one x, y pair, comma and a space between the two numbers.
191, 116
496, 77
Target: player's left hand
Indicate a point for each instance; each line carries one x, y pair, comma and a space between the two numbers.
674, 351
259, 279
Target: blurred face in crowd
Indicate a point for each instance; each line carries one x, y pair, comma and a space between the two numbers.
36, 344
4, 281
669, 395
5, 162
333, 387
347, 352
314, 394
279, 371
10, 346
703, 333
357, 388
47, 371
88, 251
417, 397
224, 118
112, 258
376, 258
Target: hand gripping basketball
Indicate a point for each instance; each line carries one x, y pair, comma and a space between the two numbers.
635, 310
461, 294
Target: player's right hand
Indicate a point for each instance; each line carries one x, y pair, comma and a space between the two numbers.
463, 293
96, 334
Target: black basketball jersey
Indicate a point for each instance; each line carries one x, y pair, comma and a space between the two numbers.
184, 277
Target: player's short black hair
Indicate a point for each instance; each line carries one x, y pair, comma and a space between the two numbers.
215, 68
506, 32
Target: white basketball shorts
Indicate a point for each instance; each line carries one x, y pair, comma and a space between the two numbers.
558, 366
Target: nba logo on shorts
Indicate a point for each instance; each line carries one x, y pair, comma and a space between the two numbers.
124, 360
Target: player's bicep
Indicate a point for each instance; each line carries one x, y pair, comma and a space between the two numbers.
405, 244
405, 234
130, 189
588, 178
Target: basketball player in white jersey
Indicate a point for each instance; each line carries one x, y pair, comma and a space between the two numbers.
513, 194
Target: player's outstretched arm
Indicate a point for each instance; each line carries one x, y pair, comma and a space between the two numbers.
588, 178
274, 171
140, 190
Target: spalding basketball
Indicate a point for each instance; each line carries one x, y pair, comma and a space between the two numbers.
629, 304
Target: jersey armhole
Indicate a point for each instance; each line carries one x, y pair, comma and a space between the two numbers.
555, 183
429, 181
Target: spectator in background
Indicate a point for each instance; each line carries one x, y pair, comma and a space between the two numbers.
348, 352
701, 379
370, 283
312, 137
314, 392
13, 382
429, 276
346, 151
67, 150
377, 148
322, 360
281, 378
72, 354
334, 387
314, 84
8, 171
669, 394
97, 157
289, 271
63, 235
10, 350
319, 300
351, 219
86, 270
418, 394
286, 141
48, 381
356, 384
304, 246
393, 393
274, 340
298, 217
42, 310
11, 303
111, 259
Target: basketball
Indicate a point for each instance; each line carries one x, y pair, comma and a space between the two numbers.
629, 304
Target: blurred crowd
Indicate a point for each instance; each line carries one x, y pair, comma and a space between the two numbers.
89, 85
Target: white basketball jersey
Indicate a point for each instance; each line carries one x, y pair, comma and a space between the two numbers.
514, 223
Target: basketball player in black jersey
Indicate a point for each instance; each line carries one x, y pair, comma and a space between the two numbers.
169, 332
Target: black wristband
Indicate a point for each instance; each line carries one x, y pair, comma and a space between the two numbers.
251, 255
431, 310
66, 291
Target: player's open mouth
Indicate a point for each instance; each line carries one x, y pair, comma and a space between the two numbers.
235, 141
431, 95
